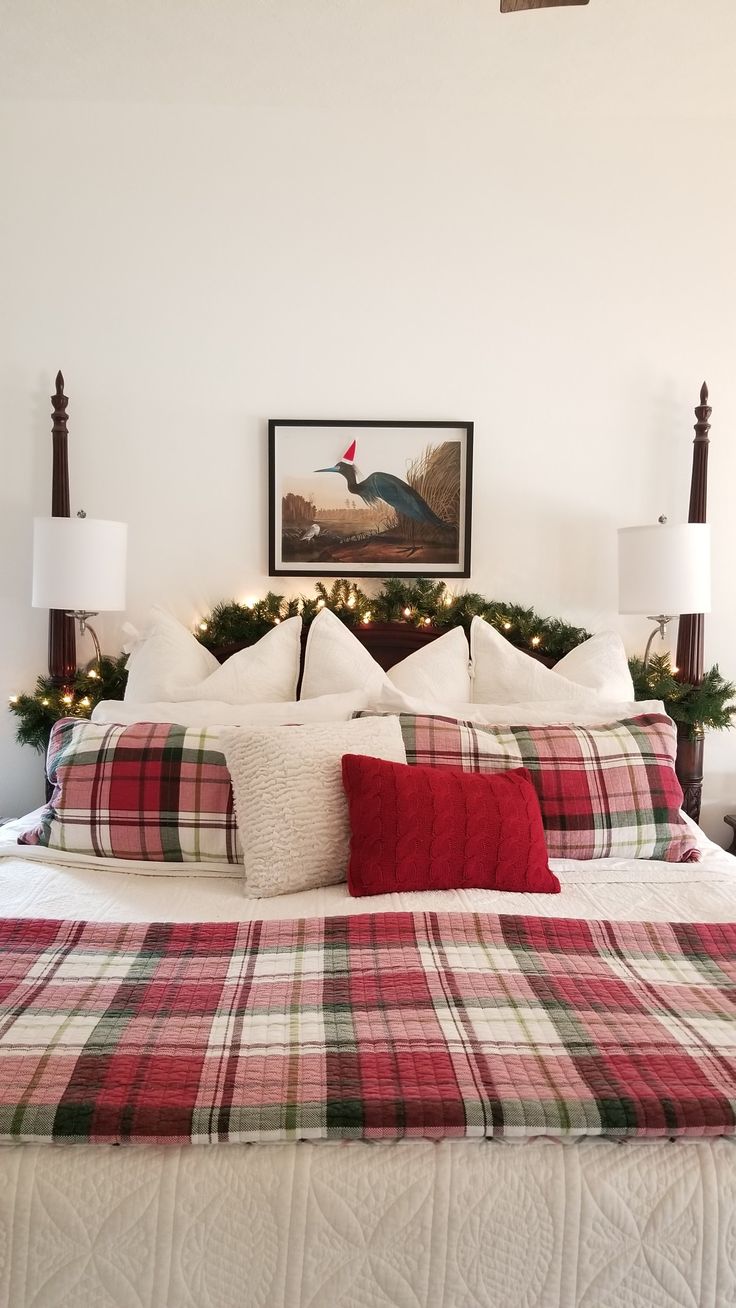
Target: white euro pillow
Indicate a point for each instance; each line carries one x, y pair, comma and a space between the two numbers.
213, 713
442, 667
169, 663
501, 674
600, 663
335, 660
537, 713
289, 802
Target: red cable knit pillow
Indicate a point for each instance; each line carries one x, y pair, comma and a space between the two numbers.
423, 828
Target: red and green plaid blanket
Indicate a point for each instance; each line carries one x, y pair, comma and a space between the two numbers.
368, 1027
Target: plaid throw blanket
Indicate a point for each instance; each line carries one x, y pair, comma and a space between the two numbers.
368, 1027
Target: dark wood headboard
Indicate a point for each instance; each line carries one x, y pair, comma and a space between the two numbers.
391, 642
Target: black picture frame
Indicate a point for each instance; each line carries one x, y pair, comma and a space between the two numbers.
292, 553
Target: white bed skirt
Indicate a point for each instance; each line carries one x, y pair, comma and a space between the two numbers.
454, 1225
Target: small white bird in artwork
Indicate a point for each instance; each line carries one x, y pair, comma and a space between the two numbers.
312, 532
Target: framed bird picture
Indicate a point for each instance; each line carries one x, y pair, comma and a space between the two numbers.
369, 499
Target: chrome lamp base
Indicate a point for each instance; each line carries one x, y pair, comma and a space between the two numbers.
82, 616
660, 630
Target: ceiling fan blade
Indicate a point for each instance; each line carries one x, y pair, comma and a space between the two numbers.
513, 6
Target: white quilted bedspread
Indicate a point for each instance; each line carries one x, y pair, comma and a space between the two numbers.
462, 1224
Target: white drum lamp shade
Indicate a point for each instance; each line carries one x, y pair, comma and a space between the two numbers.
79, 564
664, 569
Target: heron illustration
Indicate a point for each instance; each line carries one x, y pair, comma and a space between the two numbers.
312, 532
398, 494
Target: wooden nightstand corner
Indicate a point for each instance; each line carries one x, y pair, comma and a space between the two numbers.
730, 818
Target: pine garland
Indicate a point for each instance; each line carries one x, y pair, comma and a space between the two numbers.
421, 602
39, 711
708, 706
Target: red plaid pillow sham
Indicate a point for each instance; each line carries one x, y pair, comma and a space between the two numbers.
151, 791
605, 791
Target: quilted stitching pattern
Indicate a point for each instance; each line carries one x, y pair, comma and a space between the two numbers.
377, 1026
460, 1224
426, 828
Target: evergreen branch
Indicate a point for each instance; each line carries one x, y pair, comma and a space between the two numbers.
48, 703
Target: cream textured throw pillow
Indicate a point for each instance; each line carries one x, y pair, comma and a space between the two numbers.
289, 802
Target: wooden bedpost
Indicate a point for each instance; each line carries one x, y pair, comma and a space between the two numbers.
62, 637
690, 658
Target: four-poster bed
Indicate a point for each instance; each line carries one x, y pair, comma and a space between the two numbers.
167, 1004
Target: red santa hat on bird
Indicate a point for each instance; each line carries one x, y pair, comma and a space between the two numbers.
349, 455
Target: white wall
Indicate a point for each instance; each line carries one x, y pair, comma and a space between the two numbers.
213, 213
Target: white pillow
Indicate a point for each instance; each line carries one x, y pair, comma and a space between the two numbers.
601, 663
209, 712
166, 652
335, 660
597, 669
538, 713
169, 663
289, 802
442, 667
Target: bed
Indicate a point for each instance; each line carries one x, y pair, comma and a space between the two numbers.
431, 1202
454, 1222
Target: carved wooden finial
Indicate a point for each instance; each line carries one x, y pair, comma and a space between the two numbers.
702, 426
59, 436
59, 403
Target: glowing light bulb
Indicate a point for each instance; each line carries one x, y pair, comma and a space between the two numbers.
67, 699
249, 603
203, 626
13, 699
507, 626
320, 604
675, 669
366, 618
45, 703
536, 641
85, 702
351, 601
92, 674
448, 600
276, 622
407, 613
427, 622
